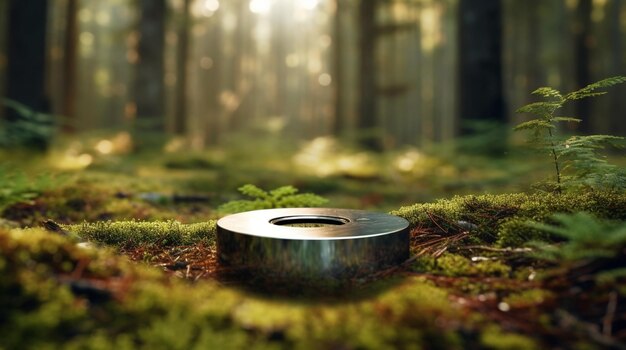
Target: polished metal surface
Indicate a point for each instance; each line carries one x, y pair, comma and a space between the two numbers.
312, 243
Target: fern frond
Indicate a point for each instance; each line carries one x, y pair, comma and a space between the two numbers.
301, 200
585, 167
283, 191
594, 141
586, 237
588, 91
543, 109
534, 124
566, 119
282, 197
580, 96
253, 191
548, 92
20, 108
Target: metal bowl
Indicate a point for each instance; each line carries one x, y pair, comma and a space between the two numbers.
312, 244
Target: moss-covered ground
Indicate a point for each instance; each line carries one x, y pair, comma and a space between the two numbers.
122, 255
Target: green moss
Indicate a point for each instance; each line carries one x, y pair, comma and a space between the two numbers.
44, 308
450, 264
493, 337
46, 305
516, 232
500, 218
528, 298
133, 233
118, 304
405, 316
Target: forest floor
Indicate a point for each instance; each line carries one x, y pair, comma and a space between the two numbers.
118, 251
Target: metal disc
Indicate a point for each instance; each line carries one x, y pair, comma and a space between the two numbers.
309, 244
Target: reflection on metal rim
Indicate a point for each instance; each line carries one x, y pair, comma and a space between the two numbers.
312, 243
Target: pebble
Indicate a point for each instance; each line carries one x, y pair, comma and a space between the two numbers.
504, 307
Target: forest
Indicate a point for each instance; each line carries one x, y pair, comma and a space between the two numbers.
139, 140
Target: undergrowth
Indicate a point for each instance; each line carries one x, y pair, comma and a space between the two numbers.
58, 295
17, 187
585, 237
502, 219
282, 197
577, 160
29, 128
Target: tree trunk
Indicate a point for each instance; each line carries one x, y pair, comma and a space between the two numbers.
480, 67
70, 65
338, 42
4, 9
182, 53
149, 87
583, 41
617, 67
26, 68
367, 121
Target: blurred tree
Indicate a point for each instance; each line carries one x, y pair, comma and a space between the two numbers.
4, 9
182, 55
480, 68
616, 124
149, 82
26, 49
583, 41
338, 68
70, 64
367, 121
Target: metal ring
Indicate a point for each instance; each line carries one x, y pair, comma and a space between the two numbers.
310, 244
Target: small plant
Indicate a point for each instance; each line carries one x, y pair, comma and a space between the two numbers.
282, 197
586, 237
576, 159
30, 128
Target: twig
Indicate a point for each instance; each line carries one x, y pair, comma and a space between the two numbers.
498, 250
607, 320
570, 321
440, 251
77, 273
440, 243
408, 261
435, 222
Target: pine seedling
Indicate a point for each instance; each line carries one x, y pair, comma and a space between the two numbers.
576, 160
282, 197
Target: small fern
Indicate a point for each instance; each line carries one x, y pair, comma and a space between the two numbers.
588, 168
30, 128
282, 197
576, 160
586, 237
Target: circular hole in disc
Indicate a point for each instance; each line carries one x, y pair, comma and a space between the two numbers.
309, 221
